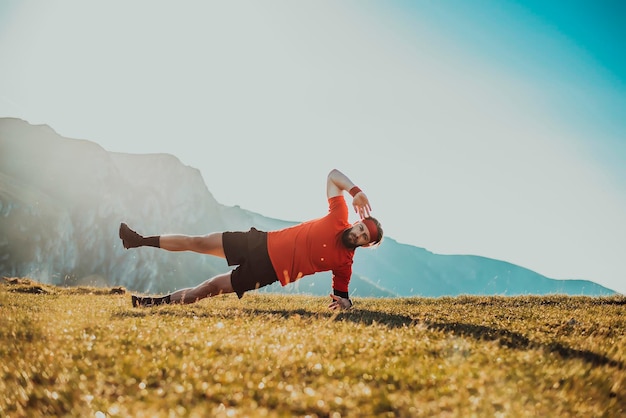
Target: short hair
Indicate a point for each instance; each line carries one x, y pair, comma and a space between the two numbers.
380, 232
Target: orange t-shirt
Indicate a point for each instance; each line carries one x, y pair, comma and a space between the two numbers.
313, 246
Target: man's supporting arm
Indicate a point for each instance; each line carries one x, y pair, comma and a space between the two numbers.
340, 295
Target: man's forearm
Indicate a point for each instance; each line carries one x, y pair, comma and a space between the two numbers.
338, 182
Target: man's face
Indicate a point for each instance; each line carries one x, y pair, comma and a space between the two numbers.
356, 236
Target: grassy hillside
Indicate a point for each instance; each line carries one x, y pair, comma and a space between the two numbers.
87, 352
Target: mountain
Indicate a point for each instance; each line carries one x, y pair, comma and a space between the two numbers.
61, 202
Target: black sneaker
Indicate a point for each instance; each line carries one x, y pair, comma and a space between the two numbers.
142, 301
130, 239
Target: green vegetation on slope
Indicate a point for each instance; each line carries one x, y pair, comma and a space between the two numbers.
87, 352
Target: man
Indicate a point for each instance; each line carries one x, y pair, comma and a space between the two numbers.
286, 255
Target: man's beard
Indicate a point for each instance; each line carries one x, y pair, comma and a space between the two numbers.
348, 240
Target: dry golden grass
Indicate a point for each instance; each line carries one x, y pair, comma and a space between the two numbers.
86, 352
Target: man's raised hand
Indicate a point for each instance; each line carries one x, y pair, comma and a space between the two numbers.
361, 205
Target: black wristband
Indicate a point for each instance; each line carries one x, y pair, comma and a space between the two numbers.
341, 294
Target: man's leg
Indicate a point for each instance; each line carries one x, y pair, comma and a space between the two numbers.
205, 244
217, 285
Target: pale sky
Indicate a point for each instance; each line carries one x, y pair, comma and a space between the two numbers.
492, 128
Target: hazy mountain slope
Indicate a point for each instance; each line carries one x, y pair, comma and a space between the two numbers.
88, 192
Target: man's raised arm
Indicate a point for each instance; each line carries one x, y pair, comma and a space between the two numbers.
337, 182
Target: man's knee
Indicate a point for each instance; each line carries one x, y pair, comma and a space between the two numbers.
209, 244
219, 285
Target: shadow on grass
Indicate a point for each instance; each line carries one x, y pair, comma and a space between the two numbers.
359, 316
518, 341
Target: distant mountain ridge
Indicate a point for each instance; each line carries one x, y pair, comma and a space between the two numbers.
61, 201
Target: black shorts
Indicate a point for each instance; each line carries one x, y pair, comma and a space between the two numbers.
248, 251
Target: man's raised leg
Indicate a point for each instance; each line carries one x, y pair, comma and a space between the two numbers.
205, 244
